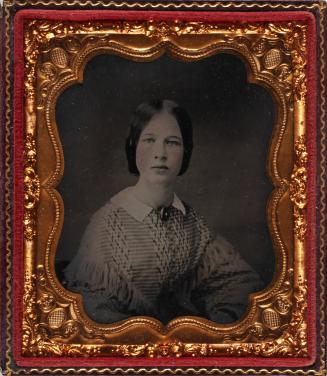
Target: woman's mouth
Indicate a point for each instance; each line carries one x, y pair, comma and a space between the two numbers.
160, 167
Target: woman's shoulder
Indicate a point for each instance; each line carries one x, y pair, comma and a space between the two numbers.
111, 208
103, 214
192, 212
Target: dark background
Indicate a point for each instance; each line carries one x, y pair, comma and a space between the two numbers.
232, 121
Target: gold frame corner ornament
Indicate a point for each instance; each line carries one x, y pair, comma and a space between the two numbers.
275, 56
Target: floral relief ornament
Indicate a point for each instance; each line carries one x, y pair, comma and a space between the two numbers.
298, 188
279, 53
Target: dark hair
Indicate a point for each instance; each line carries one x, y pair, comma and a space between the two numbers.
143, 115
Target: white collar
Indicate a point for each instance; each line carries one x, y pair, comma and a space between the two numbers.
136, 208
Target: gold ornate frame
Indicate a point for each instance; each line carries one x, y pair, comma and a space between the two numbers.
33, 335
54, 322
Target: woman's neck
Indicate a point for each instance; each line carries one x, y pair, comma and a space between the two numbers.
154, 195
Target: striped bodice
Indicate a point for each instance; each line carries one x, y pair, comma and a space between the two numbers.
132, 262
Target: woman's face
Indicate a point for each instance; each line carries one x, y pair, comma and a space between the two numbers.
160, 150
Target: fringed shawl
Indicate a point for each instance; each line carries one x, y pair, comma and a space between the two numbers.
123, 265
126, 267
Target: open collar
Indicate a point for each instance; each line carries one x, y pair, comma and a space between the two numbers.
138, 209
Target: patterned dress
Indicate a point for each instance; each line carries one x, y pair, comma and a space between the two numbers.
133, 262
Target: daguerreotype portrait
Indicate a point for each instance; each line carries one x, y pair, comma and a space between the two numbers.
166, 210
147, 251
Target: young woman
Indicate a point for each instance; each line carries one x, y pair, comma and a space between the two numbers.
146, 252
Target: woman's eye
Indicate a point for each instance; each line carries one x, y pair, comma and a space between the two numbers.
173, 142
148, 140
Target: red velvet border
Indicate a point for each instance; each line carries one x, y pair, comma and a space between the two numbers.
2, 201
18, 251
18, 189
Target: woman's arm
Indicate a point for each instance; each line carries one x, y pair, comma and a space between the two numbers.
94, 274
101, 308
223, 282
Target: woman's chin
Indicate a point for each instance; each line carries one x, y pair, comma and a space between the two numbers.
161, 179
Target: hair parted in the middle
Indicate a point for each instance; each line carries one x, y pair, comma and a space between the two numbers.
143, 115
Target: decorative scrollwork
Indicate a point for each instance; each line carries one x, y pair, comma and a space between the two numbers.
53, 50
280, 52
36, 337
31, 188
273, 318
175, 349
295, 41
298, 188
293, 341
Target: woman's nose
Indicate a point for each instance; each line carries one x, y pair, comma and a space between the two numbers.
160, 151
